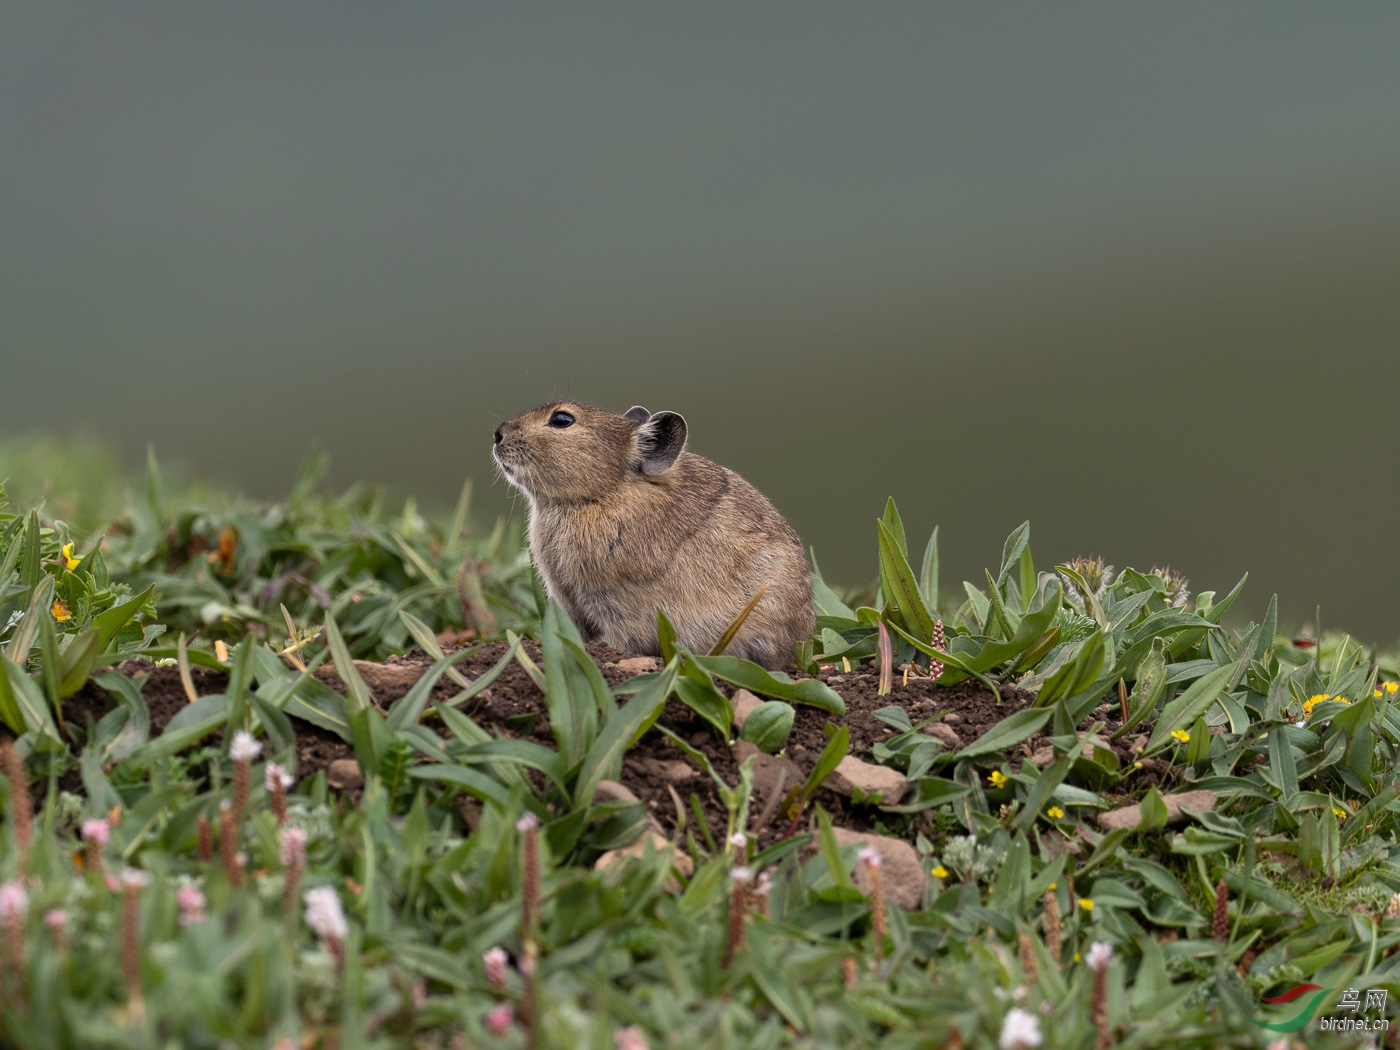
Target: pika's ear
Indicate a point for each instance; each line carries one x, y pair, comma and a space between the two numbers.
637, 414
660, 441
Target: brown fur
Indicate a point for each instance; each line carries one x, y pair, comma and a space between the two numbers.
623, 522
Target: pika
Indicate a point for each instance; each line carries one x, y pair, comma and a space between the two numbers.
624, 521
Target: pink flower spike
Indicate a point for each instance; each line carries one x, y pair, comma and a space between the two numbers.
528, 822
97, 830
1100, 953
275, 774
631, 1038
244, 748
191, 902
325, 915
496, 960
14, 901
741, 874
292, 849
499, 1020
56, 919
870, 857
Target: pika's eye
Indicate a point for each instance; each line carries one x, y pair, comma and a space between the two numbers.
561, 419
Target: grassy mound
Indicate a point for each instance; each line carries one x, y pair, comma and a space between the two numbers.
322, 773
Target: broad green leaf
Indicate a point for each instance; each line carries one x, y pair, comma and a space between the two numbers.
356, 692
423, 634
665, 636
948, 659
1011, 550
191, 723
751, 676
109, 624
705, 700
568, 694
137, 728
1046, 781
1154, 811
469, 780
605, 755
370, 738
900, 586
1148, 687
931, 791
827, 761
407, 709
22, 640
1009, 732
928, 574
518, 752
892, 521
317, 703
1187, 707
768, 725
75, 665
9, 705
28, 699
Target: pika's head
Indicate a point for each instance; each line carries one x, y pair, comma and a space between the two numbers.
569, 452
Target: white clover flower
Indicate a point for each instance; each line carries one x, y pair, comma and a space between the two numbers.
325, 915
1020, 1030
274, 775
1100, 953
244, 748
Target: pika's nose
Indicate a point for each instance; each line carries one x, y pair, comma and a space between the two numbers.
498, 435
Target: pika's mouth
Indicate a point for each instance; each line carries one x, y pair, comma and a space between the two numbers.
506, 468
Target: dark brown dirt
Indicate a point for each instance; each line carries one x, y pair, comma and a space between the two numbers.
515, 706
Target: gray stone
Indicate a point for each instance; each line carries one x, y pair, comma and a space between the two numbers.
950, 740
638, 664
344, 775
658, 843
1128, 817
853, 773
612, 791
743, 703
768, 770
900, 871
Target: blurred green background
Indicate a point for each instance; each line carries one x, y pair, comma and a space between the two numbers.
1129, 271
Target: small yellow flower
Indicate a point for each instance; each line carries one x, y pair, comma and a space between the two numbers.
1391, 687
1341, 813
1182, 735
1377, 694
1055, 813
998, 778
1053, 886
60, 611
1316, 699
1086, 904
940, 872
69, 561
1076, 956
